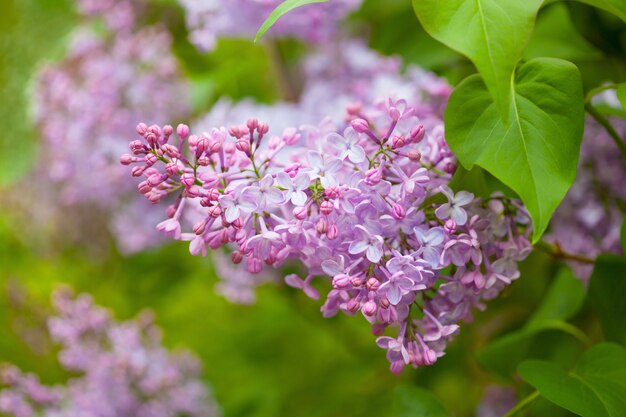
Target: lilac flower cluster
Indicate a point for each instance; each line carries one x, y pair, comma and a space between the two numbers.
86, 102
365, 203
588, 221
124, 370
209, 19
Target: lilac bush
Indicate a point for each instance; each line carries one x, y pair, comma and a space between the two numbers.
87, 102
365, 203
121, 369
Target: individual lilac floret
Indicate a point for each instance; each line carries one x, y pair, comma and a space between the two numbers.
589, 220
370, 225
122, 370
208, 20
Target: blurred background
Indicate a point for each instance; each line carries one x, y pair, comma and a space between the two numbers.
275, 356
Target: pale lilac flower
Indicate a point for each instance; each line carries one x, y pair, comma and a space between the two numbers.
372, 245
323, 168
453, 209
347, 145
243, 200
431, 244
294, 188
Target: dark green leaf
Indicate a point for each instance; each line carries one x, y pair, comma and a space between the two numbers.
491, 33
555, 36
617, 7
537, 154
607, 290
278, 12
595, 388
623, 236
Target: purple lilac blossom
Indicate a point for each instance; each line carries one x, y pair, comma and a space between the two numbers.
87, 102
122, 370
589, 219
370, 226
208, 20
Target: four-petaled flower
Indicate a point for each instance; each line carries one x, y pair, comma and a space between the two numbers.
453, 209
347, 145
372, 245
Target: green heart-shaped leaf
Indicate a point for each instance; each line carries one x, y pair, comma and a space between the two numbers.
617, 7
537, 153
491, 33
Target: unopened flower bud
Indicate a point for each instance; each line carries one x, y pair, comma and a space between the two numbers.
360, 125
171, 168
353, 305
398, 141
252, 123
262, 128
137, 171
326, 207
167, 131
243, 145
204, 161
290, 136
369, 308
300, 213
414, 155
214, 211
187, 179
126, 159
321, 226
236, 257
373, 176
254, 265
144, 187
341, 282
372, 284
193, 191
182, 130
417, 134
332, 232
397, 211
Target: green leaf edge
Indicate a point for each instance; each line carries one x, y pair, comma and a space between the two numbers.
279, 11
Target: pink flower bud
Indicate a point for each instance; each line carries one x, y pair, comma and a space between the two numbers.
360, 125
215, 211
450, 167
332, 232
151, 159
215, 146
331, 192
353, 305
414, 155
398, 212
373, 176
417, 134
229, 148
326, 207
202, 146
182, 131
142, 128
236, 257
243, 145
136, 147
144, 187
429, 356
398, 141
168, 130
397, 367
187, 179
274, 142
204, 161
262, 128
372, 284
126, 159
450, 226
170, 150
300, 213
170, 211
193, 191
394, 113
237, 223
199, 227
341, 282
137, 171
384, 303
213, 194
252, 123
155, 179
356, 282
369, 308
171, 168
354, 108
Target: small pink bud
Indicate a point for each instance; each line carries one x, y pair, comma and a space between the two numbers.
202, 145
151, 159
213, 194
155, 179
215, 211
171, 168
397, 367
274, 142
414, 155
142, 128
193, 191
384, 302
229, 148
372, 284
300, 213
187, 179
353, 305
326, 207
398, 212
360, 125
354, 108
429, 357
136, 147
204, 161
252, 123
332, 232
199, 227
398, 141
170, 150
237, 223
170, 211
263, 128
243, 145
126, 159
144, 187
373, 176
331, 192
167, 131
137, 171
356, 282
450, 168
236, 257
369, 308
417, 134
290, 136
450, 226
394, 113
215, 146
341, 282
182, 130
